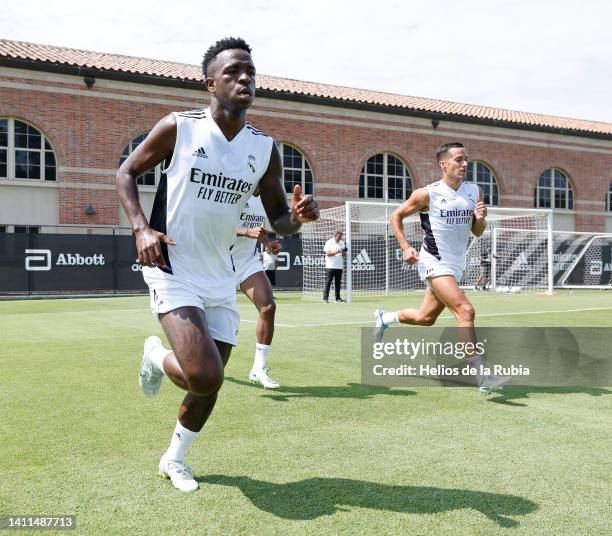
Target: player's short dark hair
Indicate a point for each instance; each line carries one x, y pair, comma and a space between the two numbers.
227, 43
443, 149
338, 233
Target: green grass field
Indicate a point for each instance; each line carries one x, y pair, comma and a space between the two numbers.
323, 455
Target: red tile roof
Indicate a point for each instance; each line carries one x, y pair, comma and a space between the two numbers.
18, 50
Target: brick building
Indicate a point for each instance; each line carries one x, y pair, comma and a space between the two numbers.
67, 117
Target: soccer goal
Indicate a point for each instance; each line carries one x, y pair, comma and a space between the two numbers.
518, 244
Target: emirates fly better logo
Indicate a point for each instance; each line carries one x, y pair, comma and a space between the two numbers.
362, 262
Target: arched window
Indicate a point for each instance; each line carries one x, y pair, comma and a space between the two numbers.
296, 169
482, 175
554, 190
148, 178
385, 177
25, 152
609, 198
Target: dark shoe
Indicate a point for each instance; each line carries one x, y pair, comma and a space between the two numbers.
339, 300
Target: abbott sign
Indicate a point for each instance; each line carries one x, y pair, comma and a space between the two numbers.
39, 260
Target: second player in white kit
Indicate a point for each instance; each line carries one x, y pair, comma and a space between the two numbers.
252, 230
450, 209
253, 282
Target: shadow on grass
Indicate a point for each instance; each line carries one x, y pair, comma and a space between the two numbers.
521, 392
355, 391
315, 497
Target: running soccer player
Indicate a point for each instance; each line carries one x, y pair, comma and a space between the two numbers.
213, 160
254, 283
449, 210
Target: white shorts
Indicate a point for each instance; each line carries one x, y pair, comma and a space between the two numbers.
429, 267
222, 316
251, 266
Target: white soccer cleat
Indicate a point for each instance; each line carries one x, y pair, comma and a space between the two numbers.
262, 377
492, 383
179, 474
150, 375
379, 331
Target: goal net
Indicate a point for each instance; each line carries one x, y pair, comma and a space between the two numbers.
513, 255
583, 260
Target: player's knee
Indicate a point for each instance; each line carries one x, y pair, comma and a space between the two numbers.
205, 382
466, 312
268, 310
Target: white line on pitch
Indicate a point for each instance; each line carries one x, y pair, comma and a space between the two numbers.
449, 316
542, 312
275, 323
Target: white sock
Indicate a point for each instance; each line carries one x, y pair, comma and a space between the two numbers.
181, 439
157, 356
261, 356
390, 318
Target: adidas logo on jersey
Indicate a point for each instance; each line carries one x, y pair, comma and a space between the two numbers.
443, 201
362, 262
201, 153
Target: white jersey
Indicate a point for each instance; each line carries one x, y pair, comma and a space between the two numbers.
199, 201
252, 216
333, 261
448, 222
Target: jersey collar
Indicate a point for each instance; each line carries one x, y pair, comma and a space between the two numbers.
219, 132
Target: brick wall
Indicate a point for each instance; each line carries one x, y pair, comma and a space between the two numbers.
89, 128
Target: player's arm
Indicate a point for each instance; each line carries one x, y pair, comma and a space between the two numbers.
284, 220
257, 233
417, 202
156, 147
479, 221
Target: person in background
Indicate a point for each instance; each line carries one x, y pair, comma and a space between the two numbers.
334, 250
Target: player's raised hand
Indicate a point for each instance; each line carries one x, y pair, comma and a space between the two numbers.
480, 211
148, 245
411, 255
303, 208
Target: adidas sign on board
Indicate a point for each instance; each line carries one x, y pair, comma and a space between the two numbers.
362, 262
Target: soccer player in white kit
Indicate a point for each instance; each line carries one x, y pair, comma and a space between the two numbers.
214, 160
449, 210
254, 283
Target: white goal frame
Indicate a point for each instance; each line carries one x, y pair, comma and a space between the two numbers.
492, 210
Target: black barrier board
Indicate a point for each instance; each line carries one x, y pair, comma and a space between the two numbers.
33, 263
70, 262
13, 276
289, 264
128, 272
